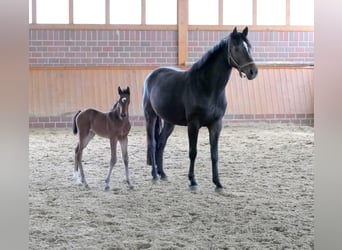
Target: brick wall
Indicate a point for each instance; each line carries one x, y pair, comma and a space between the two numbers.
268, 46
102, 47
138, 121
154, 48
119, 47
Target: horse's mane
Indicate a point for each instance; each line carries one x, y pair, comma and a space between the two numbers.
206, 57
221, 44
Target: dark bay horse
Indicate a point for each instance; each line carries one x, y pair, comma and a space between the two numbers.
114, 125
193, 98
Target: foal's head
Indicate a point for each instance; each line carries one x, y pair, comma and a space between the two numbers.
239, 55
123, 103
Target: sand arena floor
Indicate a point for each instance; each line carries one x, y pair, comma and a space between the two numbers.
267, 203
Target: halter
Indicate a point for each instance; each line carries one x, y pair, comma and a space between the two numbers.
231, 59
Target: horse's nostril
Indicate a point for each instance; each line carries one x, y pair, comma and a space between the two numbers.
254, 72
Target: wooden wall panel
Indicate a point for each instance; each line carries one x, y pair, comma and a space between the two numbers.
62, 91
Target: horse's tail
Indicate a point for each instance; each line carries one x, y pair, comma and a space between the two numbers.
74, 126
157, 130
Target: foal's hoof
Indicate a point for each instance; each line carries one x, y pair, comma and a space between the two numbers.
107, 188
130, 187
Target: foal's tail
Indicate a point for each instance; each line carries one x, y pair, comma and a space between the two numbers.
74, 126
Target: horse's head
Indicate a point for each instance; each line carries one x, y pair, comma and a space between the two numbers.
123, 102
239, 54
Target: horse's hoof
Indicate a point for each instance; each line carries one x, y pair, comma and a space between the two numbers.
219, 189
155, 180
107, 188
193, 188
163, 178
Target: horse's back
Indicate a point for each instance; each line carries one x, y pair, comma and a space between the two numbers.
163, 94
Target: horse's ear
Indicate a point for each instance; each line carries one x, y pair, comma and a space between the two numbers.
119, 90
235, 31
128, 91
245, 31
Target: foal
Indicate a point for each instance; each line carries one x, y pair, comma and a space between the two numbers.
113, 125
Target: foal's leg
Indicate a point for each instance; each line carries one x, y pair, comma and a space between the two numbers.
161, 143
124, 144
113, 142
214, 133
193, 136
83, 142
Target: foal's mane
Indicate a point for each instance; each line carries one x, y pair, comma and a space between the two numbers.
115, 106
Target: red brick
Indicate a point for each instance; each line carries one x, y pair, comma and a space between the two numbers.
55, 118
36, 125
49, 125
33, 119
44, 119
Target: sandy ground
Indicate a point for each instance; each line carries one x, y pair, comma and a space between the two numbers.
267, 203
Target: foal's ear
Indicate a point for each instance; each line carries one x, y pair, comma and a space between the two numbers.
245, 31
119, 90
128, 91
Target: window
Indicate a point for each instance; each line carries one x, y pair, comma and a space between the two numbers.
30, 11
53, 11
271, 12
203, 12
237, 12
125, 12
89, 12
161, 12
164, 12
302, 12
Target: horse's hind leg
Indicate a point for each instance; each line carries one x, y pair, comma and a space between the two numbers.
78, 155
151, 143
124, 144
161, 143
83, 142
112, 162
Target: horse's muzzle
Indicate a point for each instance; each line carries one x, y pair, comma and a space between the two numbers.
251, 71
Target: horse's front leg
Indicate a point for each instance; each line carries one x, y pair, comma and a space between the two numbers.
124, 144
193, 136
214, 133
113, 142
161, 143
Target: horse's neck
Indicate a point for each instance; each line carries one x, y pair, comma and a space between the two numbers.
214, 71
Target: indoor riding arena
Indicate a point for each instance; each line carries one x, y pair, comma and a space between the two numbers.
80, 57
